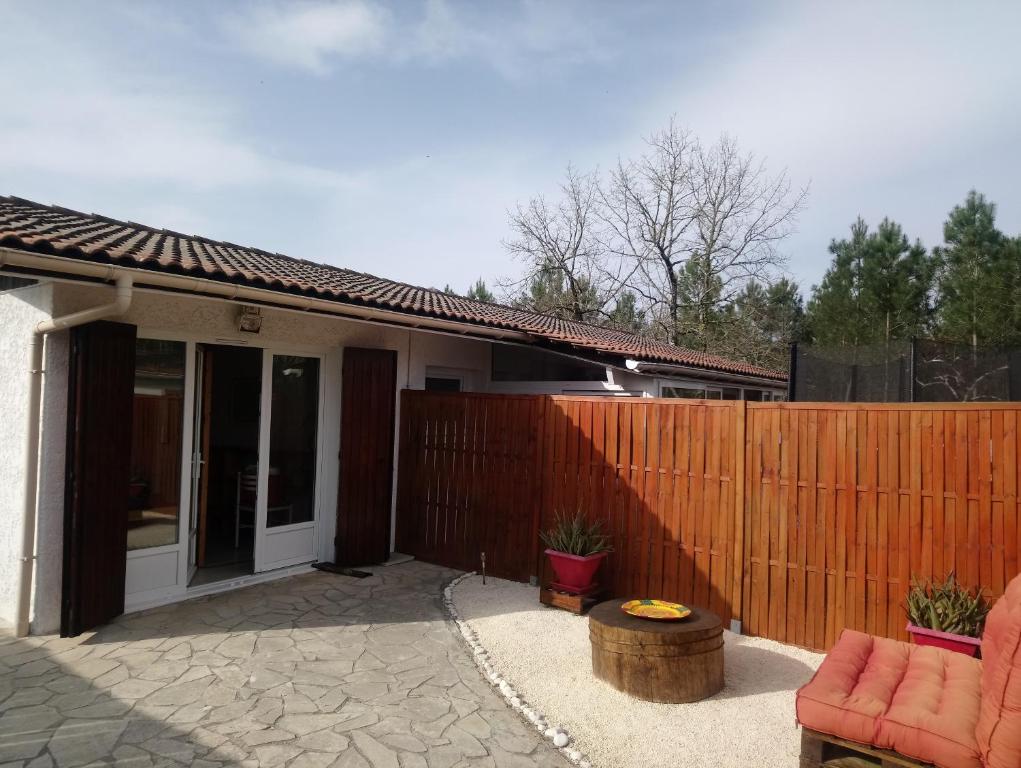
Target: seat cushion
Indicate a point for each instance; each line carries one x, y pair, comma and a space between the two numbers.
853, 687
922, 702
999, 728
935, 709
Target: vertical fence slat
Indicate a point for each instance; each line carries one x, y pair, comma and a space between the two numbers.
800, 519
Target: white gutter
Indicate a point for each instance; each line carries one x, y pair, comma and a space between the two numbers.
114, 308
229, 291
668, 369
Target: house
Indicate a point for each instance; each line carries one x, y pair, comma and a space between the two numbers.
182, 416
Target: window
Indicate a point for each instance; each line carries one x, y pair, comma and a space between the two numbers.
154, 490
10, 282
753, 395
689, 393
512, 363
442, 384
294, 426
731, 393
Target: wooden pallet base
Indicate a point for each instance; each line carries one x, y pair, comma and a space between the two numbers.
578, 604
820, 750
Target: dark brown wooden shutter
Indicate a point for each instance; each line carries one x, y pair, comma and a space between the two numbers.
368, 406
100, 407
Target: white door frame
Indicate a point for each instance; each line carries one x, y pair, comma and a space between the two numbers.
168, 559
178, 588
265, 538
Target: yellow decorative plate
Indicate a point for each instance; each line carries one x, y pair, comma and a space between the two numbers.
660, 610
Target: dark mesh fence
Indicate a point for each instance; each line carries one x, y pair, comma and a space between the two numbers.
905, 371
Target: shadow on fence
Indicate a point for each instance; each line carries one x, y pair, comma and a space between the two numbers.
485, 473
799, 519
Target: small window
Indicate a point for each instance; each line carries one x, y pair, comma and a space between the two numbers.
688, 393
731, 393
10, 282
442, 384
754, 395
513, 363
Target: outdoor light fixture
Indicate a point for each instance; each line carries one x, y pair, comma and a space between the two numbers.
250, 319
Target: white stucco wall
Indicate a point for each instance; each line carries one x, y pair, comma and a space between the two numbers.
204, 320
20, 311
447, 354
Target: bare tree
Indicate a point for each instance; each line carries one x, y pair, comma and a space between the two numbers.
566, 270
647, 210
697, 224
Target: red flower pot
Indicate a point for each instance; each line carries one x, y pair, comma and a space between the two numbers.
958, 643
575, 573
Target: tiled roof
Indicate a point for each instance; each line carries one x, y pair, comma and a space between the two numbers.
48, 229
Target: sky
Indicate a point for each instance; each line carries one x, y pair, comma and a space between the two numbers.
394, 137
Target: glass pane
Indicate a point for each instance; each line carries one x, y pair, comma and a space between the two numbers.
292, 442
437, 384
731, 393
154, 493
688, 393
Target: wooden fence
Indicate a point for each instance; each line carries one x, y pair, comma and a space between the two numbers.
798, 519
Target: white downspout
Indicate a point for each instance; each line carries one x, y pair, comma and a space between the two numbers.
35, 376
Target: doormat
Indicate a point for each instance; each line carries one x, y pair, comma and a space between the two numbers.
334, 568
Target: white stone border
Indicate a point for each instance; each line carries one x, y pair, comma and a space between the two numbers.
559, 737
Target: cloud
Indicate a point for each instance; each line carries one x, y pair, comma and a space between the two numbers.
534, 34
315, 36
106, 123
310, 35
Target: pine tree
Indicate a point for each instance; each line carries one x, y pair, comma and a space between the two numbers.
835, 317
978, 277
876, 290
480, 292
700, 313
625, 315
896, 283
763, 322
548, 293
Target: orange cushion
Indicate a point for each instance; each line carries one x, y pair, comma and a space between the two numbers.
999, 727
853, 686
919, 701
935, 708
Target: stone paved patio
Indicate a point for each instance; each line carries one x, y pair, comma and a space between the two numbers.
311, 671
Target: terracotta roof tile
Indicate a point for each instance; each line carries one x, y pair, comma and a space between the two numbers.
35, 227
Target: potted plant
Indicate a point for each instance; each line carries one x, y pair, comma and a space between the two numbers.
575, 548
946, 615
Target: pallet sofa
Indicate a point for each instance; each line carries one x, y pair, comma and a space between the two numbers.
885, 702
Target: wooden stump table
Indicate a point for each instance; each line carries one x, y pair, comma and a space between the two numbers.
670, 662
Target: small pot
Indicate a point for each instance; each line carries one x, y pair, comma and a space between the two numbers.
948, 640
575, 573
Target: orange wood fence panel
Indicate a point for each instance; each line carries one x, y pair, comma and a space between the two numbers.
468, 480
484, 473
847, 503
798, 519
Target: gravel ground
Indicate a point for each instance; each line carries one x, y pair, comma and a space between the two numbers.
545, 655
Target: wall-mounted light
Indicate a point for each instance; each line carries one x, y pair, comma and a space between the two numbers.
250, 319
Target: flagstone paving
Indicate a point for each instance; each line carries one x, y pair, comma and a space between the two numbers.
310, 671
